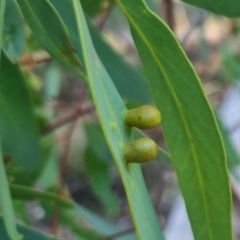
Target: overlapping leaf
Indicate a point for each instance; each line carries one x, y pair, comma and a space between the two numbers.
222, 7
6, 205
17, 124
93, 7
9, 226
50, 31
124, 76
29, 234
110, 108
13, 32
189, 125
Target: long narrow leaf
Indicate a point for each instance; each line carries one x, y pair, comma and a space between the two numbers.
50, 31
122, 74
28, 233
222, 7
110, 108
13, 32
189, 125
19, 132
6, 205
2, 12
28, 193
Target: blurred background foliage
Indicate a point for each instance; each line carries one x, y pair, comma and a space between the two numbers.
75, 159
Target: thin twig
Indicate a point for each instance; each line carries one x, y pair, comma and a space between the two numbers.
63, 173
169, 14
29, 62
100, 22
74, 115
64, 155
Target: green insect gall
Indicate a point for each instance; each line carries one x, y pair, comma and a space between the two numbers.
140, 151
144, 117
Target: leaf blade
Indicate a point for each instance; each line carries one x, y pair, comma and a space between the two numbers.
28, 233
231, 9
13, 34
17, 119
5, 197
177, 92
110, 109
48, 28
6, 203
123, 75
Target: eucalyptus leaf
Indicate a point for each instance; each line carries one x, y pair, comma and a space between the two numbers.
28, 193
8, 223
110, 108
2, 12
102, 225
73, 220
28, 233
6, 205
93, 7
19, 131
13, 32
190, 128
222, 7
50, 31
122, 74
98, 171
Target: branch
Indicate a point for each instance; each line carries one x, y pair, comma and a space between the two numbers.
74, 115
100, 22
168, 12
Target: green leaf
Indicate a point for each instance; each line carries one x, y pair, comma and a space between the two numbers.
222, 7
93, 7
2, 12
98, 141
72, 220
13, 32
188, 122
28, 193
102, 225
6, 205
17, 174
21, 210
97, 164
50, 31
18, 126
50, 174
28, 233
130, 84
110, 108
53, 79
123, 75
99, 173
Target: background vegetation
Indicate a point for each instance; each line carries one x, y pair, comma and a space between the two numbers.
69, 69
